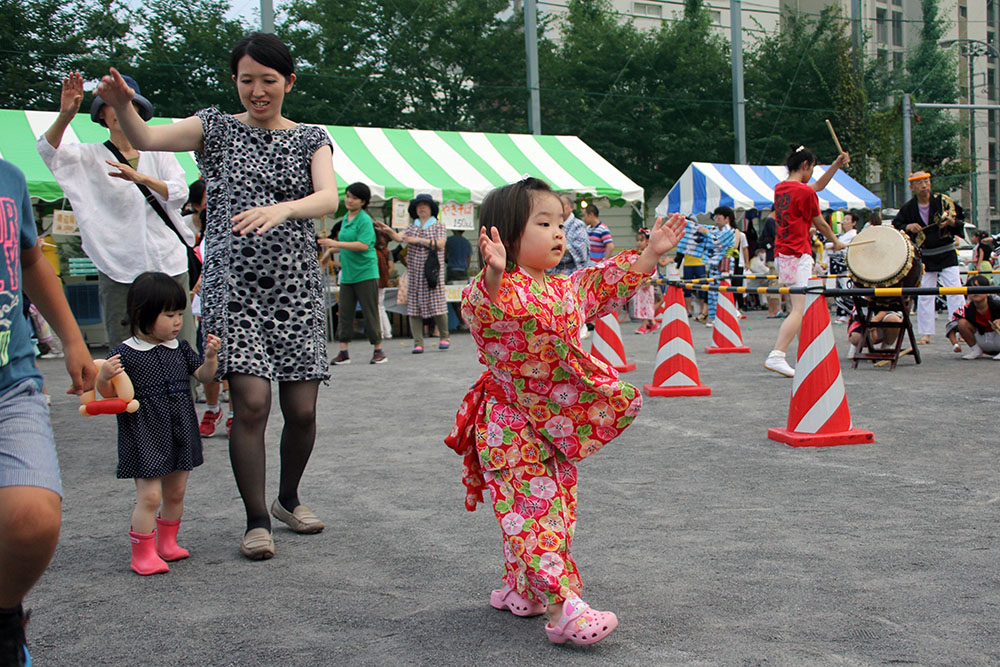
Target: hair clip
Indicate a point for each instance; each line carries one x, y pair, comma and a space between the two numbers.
644, 232
800, 148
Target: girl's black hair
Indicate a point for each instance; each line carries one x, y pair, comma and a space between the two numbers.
977, 279
196, 195
152, 293
361, 191
799, 156
508, 209
266, 49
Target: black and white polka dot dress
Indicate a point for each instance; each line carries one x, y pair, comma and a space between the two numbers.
262, 295
162, 435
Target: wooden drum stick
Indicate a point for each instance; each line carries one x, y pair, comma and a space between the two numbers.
833, 134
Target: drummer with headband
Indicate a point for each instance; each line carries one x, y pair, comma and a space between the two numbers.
932, 221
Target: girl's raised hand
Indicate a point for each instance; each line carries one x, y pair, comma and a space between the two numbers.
492, 249
212, 345
72, 94
665, 236
113, 89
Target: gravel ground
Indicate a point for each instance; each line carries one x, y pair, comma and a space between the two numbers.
713, 544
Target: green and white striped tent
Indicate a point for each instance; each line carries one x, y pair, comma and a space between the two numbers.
449, 166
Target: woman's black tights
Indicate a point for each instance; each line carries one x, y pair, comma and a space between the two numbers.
250, 398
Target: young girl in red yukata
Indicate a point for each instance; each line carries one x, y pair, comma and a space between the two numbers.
543, 403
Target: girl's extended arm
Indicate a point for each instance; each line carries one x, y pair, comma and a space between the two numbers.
389, 231
323, 200
663, 237
206, 372
356, 246
186, 135
821, 225
823, 180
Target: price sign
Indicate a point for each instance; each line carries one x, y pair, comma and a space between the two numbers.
458, 216
64, 223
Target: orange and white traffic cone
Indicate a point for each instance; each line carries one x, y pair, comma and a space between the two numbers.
726, 334
608, 345
676, 371
818, 415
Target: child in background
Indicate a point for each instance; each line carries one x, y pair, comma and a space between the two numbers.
159, 444
978, 323
543, 403
644, 302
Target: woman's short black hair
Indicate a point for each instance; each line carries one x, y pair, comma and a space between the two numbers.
799, 156
361, 191
152, 293
266, 49
977, 279
508, 209
196, 196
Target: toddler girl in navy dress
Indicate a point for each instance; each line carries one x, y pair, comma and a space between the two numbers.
159, 444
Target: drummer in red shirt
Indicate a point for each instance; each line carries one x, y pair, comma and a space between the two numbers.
796, 209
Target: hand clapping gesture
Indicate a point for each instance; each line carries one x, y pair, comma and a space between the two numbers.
72, 94
665, 236
113, 89
492, 249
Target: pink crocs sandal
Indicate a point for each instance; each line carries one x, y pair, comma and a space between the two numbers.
518, 605
580, 624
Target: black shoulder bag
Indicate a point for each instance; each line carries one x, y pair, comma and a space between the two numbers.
432, 266
194, 264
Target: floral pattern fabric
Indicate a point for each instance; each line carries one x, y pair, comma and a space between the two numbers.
543, 397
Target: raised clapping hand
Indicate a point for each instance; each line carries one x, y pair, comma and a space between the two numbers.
113, 89
492, 249
212, 345
261, 219
72, 94
665, 236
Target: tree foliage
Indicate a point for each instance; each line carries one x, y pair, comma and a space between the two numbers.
651, 101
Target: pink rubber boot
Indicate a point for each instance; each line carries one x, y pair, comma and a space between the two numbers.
166, 540
144, 558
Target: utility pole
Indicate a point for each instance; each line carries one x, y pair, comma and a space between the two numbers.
267, 16
972, 138
531, 47
907, 141
739, 104
856, 33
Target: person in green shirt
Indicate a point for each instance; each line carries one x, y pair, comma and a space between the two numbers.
358, 273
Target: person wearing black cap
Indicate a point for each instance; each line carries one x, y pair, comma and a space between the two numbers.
425, 234
119, 230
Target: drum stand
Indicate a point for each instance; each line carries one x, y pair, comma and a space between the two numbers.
870, 307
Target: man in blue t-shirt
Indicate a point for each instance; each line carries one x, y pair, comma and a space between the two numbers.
457, 255
30, 488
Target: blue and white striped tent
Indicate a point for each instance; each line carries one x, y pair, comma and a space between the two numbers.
707, 185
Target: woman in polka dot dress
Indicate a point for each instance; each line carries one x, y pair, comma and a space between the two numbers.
159, 444
262, 292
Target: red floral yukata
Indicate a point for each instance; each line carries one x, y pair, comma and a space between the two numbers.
542, 405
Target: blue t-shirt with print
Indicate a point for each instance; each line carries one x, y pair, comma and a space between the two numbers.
17, 233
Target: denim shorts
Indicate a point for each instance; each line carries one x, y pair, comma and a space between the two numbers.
27, 446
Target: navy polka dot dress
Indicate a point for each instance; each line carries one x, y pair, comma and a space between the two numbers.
162, 436
262, 294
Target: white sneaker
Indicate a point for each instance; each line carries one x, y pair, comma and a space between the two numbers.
585, 334
710, 324
996, 358
779, 364
842, 319
974, 353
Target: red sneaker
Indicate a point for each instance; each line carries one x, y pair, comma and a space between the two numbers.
229, 426
208, 423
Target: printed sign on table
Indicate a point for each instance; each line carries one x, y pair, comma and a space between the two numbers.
64, 223
458, 216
